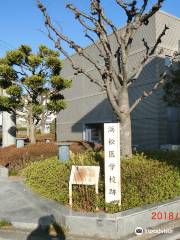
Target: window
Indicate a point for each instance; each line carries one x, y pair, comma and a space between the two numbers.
167, 61
173, 125
94, 133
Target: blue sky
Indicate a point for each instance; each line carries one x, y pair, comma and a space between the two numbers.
21, 21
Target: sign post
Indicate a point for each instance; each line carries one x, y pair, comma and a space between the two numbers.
83, 175
112, 163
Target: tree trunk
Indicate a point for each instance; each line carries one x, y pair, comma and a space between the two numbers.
8, 129
32, 131
125, 137
28, 130
43, 123
125, 124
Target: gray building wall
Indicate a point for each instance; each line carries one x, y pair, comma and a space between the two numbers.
86, 103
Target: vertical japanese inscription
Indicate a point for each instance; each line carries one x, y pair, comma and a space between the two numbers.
112, 162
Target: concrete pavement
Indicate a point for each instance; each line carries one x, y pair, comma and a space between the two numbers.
39, 234
24, 210
19, 234
31, 215
172, 226
34, 214
175, 235
18, 205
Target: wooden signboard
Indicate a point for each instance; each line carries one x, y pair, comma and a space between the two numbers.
83, 175
112, 162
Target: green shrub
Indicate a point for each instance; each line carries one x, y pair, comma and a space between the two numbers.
144, 180
49, 178
21, 128
170, 157
87, 158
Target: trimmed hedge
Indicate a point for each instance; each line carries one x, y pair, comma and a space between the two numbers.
16, 158
40, 138
43, 137
144, 180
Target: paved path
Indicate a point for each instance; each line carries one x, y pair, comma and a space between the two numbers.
34, 214
172, 225
16, 234
24, 209
31, 215
17, 204
173, 236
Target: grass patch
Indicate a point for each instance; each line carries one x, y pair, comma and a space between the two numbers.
5, 223
13, 172
145, 179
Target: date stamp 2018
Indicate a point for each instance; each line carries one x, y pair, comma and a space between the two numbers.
165, 216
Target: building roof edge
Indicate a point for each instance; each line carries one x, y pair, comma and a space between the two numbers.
168, 14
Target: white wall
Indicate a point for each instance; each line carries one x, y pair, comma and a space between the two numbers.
0, 118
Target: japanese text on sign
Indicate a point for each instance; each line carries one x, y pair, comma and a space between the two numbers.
112, 162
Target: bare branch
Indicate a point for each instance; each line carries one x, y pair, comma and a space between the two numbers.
143, 7
79, 13
112, 79
146, 46
21, 114
176, 57
155, 8
107, 21
84, 24
135, 75
158, 41
129, 8
122, 4
98, 83
102, 34
101, 54
147, 94
77, 68
99, 27
79, 50
147, 55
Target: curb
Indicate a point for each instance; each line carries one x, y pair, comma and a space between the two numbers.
94, 225
24, 226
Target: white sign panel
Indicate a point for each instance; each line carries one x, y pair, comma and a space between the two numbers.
0, 118
86, 175
112, 162
83, 175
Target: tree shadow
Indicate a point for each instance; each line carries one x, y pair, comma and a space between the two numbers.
47, 229
149, 118
12, 131
168, 157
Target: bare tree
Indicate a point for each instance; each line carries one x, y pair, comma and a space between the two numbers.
114, 80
